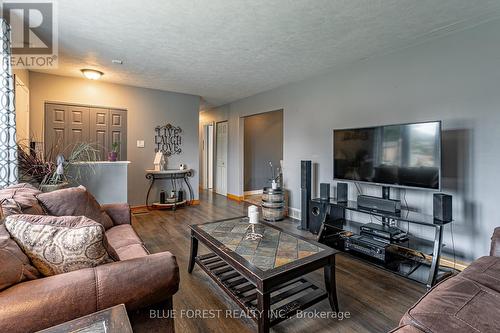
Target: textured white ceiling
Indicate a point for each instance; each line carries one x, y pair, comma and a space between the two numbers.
224, 50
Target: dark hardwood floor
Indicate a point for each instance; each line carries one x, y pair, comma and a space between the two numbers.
375, 299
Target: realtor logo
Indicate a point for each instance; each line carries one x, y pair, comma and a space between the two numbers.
33, 33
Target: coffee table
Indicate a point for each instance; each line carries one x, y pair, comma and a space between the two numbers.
265, 277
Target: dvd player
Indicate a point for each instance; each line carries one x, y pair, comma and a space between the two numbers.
380, 230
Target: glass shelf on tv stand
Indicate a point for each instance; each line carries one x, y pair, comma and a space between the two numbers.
404, 215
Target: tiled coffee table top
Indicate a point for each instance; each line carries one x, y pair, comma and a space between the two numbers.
274, 249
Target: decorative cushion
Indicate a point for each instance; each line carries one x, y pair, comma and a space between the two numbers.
74, 201
20, 199
60, 244
15, 266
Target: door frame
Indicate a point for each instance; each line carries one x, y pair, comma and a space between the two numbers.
242, 148
215, 157
22, 85
205, 154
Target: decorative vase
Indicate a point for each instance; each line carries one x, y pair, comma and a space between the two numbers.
112, 156
53, 187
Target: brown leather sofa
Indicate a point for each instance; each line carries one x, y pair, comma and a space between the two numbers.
467, 302
142, 281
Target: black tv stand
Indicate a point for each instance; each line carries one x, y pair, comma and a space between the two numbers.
386, 194
407, 257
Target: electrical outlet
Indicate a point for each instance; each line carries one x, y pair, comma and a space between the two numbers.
140, 143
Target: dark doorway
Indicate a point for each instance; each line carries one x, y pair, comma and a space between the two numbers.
263, 143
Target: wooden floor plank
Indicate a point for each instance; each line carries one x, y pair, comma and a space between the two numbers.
376, 299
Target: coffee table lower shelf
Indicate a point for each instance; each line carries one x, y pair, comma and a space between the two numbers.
286, 300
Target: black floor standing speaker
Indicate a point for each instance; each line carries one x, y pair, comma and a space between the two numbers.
342, 192
443, 210
305, 193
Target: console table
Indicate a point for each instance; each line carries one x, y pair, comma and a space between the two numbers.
111, 320
335, 222
172, 174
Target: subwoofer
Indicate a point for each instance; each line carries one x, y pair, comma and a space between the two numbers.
318, 211
305, 193
443, 209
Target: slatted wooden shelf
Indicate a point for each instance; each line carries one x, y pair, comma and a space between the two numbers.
286, 300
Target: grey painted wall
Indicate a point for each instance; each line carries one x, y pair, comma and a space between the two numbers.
263, 143
146, 109
455, 78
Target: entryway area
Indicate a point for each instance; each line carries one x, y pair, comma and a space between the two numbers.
214, 157
263, 152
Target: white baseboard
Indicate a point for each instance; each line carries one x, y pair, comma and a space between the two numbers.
294, 213
255, 192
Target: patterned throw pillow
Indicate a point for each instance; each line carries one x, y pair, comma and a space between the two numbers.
60, 244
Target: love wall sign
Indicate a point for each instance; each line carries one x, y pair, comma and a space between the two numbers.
168, 139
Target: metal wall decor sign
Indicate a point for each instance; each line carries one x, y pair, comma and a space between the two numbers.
168, 139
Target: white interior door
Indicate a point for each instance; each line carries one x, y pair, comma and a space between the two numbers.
204, 162
22, 112
221, 148
210, 157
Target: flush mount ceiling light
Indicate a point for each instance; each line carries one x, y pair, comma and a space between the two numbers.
92, 74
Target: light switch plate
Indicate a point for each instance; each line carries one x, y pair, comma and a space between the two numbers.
140, 143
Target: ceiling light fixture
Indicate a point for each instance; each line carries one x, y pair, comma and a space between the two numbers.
92, 74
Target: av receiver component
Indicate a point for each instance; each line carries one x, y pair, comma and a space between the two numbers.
402, 237
379, 204
366, 246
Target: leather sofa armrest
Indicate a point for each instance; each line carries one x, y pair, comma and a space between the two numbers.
495, 243
45, 302
119, 213
406, 329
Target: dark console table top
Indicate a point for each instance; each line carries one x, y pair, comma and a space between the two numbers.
111, 320
404, 215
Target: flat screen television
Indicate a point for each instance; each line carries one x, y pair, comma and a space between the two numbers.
405, 155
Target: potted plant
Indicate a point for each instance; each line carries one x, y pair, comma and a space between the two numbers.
113, 154
49, 170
